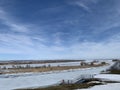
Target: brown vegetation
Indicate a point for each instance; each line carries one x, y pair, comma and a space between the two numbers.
46, 69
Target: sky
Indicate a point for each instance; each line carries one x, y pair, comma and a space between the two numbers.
59, 29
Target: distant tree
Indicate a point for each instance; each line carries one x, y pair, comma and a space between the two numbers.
49, 65
92, 63
103, 63
13, 66
19, 66
27, 66
58, 65
83, 63
115, 60
4, 67
44, 66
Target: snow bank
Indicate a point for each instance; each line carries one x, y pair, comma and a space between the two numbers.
112, 77
112, 86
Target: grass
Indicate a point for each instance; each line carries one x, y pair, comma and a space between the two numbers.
46, 69
114, 72
65, 87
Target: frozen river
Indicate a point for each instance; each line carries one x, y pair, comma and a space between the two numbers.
14, 81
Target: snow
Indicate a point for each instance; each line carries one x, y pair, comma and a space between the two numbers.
24, 80
55, 64
112, 77
46, 64
43, 79
112, 86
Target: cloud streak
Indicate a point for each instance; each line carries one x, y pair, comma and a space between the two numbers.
84, 4
14, 26
91, 50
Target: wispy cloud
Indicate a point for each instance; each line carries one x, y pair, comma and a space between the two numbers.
15, 38
14, 26
109, 48
108, 21
91, 50
57, 38
22, 44
84, 4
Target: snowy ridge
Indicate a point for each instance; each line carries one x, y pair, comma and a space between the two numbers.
112, 86
112, 77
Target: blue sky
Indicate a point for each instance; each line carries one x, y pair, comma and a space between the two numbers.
59, 29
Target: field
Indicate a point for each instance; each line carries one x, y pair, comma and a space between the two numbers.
26, 67
41, 79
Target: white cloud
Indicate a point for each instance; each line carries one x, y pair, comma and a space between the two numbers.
57, 38
17, 43
110, 19
84, 4
91, 50
105, 49
14, 26
15, 39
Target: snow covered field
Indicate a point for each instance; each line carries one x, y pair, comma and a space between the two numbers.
112, 77
46, 64
112, 86
14, 81
53, 64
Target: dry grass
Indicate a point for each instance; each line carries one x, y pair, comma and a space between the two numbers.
46, 69
65, 87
